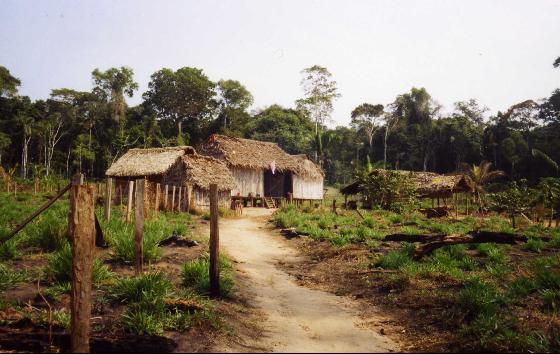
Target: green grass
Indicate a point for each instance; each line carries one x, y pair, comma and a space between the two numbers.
59, 267
9, 277
196, 276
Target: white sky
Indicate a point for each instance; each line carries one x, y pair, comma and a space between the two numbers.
500, 52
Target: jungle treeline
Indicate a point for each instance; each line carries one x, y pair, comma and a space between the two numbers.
86, 131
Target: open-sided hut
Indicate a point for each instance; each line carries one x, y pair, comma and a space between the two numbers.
428, 184
263, 169
198, 172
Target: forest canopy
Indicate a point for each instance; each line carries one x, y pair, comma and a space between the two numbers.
86, 131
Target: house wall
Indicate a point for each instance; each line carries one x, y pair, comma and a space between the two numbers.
201, 198
247, 181
304, 188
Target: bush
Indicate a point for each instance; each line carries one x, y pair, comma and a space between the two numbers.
196, 276
142, 322
59, 267
147, 288
478, 298
534, 244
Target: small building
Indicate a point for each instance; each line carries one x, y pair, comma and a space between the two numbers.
177, 166
428, 184
263, 169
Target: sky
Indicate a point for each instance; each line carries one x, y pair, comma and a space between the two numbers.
499, 52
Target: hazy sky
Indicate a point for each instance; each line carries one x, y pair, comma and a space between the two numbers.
500, 52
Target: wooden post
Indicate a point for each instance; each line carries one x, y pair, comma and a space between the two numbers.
158, 191
179, 199
188, 198
129, 202
173, 199
214, 242
108, 190
35, 183
166, 197
334, 206
139, 225
82, 235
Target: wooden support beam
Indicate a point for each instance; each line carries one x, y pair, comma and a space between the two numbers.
139, 226
179, 199
158, 192
188, 198
82, 236
129, 201
108, 190
173, 199
166, 198
214, 243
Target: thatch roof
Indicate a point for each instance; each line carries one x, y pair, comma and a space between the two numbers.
253, 154
147, 162
203, 170
428, 184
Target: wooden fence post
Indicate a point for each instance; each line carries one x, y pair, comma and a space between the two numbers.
166, 197
139, 225
214, 242
82, 235
179, 199
173, 199
108, 190
334, 206
129, 201
158, 192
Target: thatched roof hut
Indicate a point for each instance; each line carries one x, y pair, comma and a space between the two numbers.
200, 171
263, 168
147, 162
428, 184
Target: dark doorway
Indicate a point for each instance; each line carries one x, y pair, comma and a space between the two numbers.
275, 184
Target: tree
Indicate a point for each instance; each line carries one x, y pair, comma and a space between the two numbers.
113, 85
550, 191
556, 63
5, 142
368, 118
320, 92
478, 176
390, 190
178, 96
470, 110
514, 200
8, 84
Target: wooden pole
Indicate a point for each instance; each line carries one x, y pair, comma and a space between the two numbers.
139, 225
129, 202
179, 199
173, 199
82, 236
334, 206
158, 192
108, 190
166, 197
188, 198
214, 242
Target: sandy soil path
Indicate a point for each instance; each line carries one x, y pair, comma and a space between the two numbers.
298, 319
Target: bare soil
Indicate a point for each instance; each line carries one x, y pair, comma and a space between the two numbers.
294, 318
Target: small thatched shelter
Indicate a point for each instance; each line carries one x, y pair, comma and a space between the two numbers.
199, 172
428, 184
264, 169
177, 166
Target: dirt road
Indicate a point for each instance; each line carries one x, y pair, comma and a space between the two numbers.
298, 319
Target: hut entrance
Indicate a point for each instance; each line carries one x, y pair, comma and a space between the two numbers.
277, 185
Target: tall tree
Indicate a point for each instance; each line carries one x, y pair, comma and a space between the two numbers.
368, 118
183, 95
113, 84
8, 83
5, 142
320, 92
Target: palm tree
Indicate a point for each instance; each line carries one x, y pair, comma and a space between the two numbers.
478, 176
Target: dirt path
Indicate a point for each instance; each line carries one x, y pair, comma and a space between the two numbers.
298, 319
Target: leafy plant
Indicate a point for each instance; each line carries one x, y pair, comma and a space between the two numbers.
514, 200
197, 277
59, 267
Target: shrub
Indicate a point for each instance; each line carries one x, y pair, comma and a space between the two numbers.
196, 276
59, 267
142, 322
147, 288
534, 244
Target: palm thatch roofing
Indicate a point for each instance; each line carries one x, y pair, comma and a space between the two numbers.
428, 184
203, 170
147, 162
258, 155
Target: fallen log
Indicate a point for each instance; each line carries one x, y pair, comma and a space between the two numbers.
291, 232
471, 237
